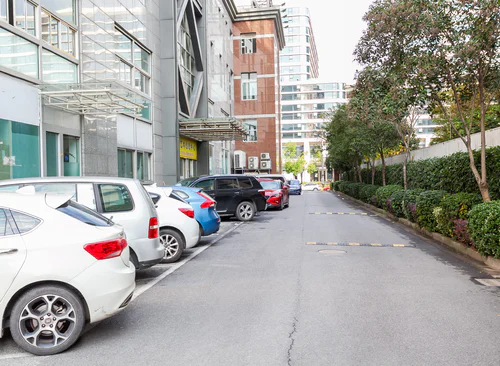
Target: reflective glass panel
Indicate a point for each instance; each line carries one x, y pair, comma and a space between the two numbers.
65, 9
56, 69
18, 54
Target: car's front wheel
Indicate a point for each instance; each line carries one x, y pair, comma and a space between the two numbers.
173, 243
245, 211
47, 320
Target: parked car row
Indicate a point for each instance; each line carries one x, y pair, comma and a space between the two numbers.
70, 246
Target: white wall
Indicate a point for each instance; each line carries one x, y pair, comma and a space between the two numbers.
448, 148
19, 100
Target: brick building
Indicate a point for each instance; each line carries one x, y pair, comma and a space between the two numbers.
258, 39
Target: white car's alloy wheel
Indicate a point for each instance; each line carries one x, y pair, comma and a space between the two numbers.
172, 242
47, 320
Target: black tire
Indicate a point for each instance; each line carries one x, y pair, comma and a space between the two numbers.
133, 259
37, 299
173, 251
245, 211
282, 204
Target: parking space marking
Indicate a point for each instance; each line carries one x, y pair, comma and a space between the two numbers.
354, 244
343, 213
490, 282
143, 288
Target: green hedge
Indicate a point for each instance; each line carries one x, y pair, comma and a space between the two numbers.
448, 173
396, 203
368, 193
454, 207
484, 224
409, 204
426, 203
383, 194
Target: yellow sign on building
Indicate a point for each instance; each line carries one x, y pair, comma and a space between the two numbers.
189, 149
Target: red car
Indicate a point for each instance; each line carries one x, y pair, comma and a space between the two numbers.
277, 194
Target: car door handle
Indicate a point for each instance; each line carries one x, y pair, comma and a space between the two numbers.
8, 251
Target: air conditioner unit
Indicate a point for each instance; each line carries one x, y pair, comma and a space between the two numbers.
240, 159
265, 165
253, 163
265, 156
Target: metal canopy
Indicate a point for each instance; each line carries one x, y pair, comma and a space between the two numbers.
93, 98
213, 129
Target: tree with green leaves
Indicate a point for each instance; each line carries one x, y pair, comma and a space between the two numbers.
294, 164
449, 50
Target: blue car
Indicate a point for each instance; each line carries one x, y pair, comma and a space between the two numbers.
203, 206
295, 187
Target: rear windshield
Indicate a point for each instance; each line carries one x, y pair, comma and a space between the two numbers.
294, 182
187, 182
270, 185
84, 214
176, 197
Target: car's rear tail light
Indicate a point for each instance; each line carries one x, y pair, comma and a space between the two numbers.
106, 249
209, 202
189, 212
153, 228
262, 192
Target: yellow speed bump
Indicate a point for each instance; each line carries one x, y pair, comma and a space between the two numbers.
376, 245
398, 245
354, 244
329, 213
311, 243
364, 213
331, 243
317, 213
340, 213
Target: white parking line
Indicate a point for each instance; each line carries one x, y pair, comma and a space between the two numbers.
143, 288
11, 356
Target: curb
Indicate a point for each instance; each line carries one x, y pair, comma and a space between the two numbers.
455, 245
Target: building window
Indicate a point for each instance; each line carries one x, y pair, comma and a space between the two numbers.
248, 43
249, 86
56, 69
251, 126
186, 58
22, 14
57, 33
133, 62
64, 9
19, 150
125, 163
18, 54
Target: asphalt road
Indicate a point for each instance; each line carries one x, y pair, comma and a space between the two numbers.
277, 291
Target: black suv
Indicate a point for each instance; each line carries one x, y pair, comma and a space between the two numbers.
236, 195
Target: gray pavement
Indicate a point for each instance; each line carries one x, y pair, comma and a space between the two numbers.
262, 295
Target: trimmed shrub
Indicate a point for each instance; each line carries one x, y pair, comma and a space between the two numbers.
335, 185
426, 203
353, 189
484, 224
368, 192
342, 185
396, 200
454, 207
383, 193
409, 205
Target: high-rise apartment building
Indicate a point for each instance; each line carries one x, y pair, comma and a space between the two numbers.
299, 59
304, 109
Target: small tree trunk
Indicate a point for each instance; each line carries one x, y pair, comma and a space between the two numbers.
374, 170
483, 182
405, 166
359, 174
383, 168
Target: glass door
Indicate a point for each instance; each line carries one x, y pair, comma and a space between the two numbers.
52, 154
71, 156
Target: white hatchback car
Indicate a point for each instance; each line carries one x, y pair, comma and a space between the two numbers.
61, 265
311, 187
178, 227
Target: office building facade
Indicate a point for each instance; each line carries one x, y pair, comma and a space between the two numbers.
119, 88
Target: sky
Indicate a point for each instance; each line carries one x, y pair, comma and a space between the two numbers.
337, 27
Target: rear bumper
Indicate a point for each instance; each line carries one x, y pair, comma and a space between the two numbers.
148, 251
107, 287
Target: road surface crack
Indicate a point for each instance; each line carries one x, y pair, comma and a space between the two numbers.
292, 340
